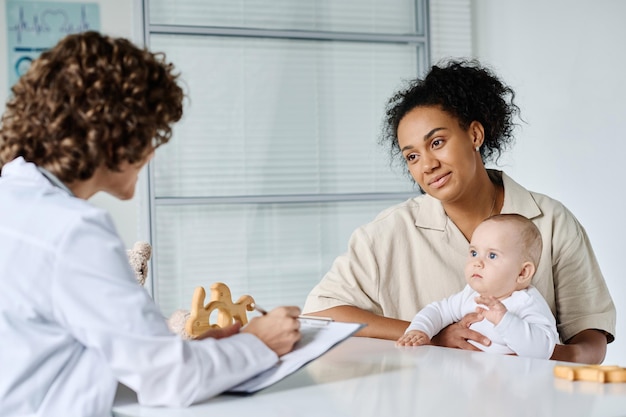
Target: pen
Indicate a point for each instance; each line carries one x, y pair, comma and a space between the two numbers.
305, 317
257, 308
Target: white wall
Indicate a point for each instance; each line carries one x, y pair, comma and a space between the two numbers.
117, 18
566, 60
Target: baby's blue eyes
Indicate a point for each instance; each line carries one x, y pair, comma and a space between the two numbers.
490, 255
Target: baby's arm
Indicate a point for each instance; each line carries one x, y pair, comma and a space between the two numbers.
528, 329
413, 338
435, 316
528, 337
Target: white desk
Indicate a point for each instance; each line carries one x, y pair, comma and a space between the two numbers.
372, 378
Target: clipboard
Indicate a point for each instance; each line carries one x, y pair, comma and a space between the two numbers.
319, 335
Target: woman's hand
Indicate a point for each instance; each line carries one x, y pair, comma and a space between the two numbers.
279, 329
457, 335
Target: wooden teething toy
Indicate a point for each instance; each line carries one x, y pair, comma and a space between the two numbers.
594, 373
221, 300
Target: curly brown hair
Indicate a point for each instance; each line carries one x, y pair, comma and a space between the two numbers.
88, 101
466, 90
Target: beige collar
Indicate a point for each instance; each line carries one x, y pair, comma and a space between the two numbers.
430, 214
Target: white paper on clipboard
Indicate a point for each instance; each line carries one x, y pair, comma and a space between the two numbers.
318, 337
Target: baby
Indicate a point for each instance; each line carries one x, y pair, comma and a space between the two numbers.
502, 259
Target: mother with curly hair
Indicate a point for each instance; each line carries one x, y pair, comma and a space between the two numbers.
85, 118
444, 128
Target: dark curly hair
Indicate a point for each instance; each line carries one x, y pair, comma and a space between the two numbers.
465, 90
88, 101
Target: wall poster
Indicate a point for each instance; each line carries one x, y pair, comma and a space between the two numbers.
34, 26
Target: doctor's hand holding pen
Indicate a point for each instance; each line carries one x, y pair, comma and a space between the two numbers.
279, 329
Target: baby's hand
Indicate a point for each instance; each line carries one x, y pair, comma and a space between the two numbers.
495, 309
413, 338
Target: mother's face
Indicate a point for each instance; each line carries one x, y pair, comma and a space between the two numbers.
440, 155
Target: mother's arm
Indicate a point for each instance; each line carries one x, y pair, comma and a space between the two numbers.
588, 346
377, 326
455, 335
581, 294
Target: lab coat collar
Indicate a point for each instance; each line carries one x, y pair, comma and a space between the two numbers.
54, 180
19, 168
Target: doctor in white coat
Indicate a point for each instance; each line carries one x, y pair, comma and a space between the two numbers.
85, 118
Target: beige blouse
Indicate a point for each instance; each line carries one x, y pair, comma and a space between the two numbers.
413, 254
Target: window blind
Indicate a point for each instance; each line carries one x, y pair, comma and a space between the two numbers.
269, 116
274, 252
369, 16
276, 160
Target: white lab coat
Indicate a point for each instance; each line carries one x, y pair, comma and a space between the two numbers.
74, 321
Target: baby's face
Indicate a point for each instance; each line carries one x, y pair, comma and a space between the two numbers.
494, 261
